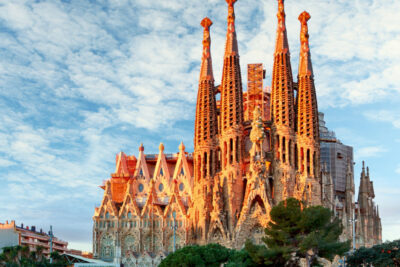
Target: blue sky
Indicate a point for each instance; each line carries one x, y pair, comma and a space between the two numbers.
82, 80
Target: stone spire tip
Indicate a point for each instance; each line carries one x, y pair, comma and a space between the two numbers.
161, 147
206, 23
231, 2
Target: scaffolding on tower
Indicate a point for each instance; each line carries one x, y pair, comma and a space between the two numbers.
255, 95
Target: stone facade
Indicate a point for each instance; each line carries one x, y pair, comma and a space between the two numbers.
251, 150
339, 191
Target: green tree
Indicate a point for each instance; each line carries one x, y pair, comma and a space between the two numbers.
386, 254
209, 255
20, 256
295, 232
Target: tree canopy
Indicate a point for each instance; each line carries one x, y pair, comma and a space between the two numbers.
212, 255
21, 256
386, 254
295, 231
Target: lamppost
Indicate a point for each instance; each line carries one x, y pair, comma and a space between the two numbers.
174, 227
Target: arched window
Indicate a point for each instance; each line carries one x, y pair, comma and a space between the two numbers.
129, 215
107, 215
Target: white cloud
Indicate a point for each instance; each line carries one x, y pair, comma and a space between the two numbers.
390, 116
398, 169
81, 81
369, 152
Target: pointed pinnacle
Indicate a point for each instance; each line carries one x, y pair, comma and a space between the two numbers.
181, 146
231, 47
206, 72
282, 44
161, 147
303, 18
231, 2
206, 23
305, 67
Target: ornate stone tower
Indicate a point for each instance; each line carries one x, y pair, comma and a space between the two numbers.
231, 124
282, 113
308, 182
205, 139
368, 227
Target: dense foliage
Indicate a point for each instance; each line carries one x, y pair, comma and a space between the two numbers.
19, 256
212, 255
295, 232
386, 254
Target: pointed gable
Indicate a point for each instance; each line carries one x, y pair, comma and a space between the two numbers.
161, 169
107, 204
175, 200
142, 171
182, 173
121, 165
129, 203
152, 201
182, 166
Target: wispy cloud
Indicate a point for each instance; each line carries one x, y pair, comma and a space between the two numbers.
82, 80
369, 152
390, 116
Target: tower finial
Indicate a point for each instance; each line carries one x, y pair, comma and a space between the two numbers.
206, 72
231, 47
161, 147
282, 44
181, 147
305, 67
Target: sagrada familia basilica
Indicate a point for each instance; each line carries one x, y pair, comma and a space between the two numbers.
252, 150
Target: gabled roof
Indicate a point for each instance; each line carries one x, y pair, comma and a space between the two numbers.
141, 165
175, 198
182, 163
161, 165
107, 204
152, 201
129, 200
121, 166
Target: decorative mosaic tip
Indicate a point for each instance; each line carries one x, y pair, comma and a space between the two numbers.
206, 23
231, 2
304, 17
161, 147
141, 148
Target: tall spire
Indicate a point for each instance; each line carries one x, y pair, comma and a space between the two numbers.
231, 92
206, 125
307, 108
282, 96
305, 66
206, 71
231, 47
282, 44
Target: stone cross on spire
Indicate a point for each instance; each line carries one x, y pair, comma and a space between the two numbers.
305, 67
231, 47
206, 72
